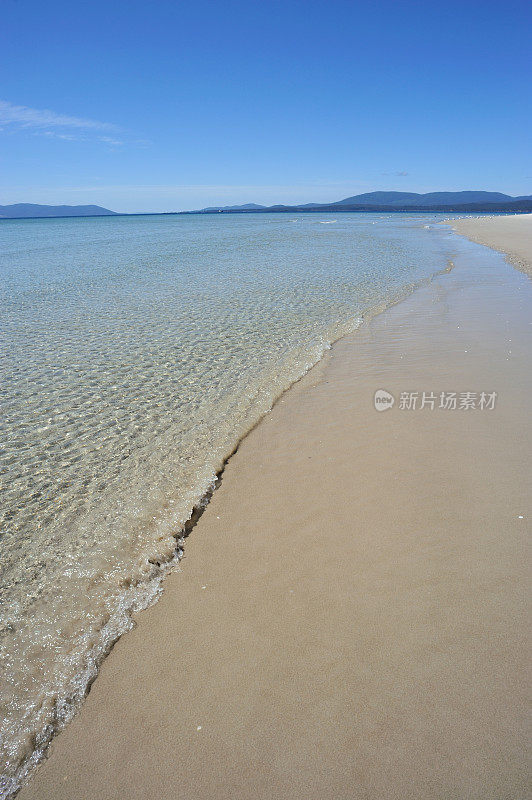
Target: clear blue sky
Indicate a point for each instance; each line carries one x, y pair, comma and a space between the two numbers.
168, 105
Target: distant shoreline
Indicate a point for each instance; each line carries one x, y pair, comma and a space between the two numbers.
377, 202
333, 209
325, 210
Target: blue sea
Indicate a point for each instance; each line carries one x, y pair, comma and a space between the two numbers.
136, 352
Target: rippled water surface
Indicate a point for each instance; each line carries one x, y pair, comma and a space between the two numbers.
136, 351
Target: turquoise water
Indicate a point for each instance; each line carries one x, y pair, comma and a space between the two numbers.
136, 352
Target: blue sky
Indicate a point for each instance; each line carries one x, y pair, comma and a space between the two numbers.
165, 105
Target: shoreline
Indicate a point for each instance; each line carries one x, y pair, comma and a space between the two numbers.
80, 736
510, 235
150, 589
92, 610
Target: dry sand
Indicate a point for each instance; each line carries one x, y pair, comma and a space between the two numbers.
349, 620
510, 234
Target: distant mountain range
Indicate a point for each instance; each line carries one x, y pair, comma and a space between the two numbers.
397, 201
19, 210
370, 201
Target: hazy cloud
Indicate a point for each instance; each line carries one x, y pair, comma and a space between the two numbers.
398, 174
43, 119
68, 137
111, 141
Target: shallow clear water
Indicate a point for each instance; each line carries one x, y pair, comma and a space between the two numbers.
136, 352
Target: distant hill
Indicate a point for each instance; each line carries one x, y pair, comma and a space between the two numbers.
430, 199
19, 210
246, 207
399, 201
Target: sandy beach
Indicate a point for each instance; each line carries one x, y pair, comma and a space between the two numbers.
349, 619
511, 235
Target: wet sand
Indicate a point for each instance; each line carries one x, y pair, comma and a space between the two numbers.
511, 235
349, 620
